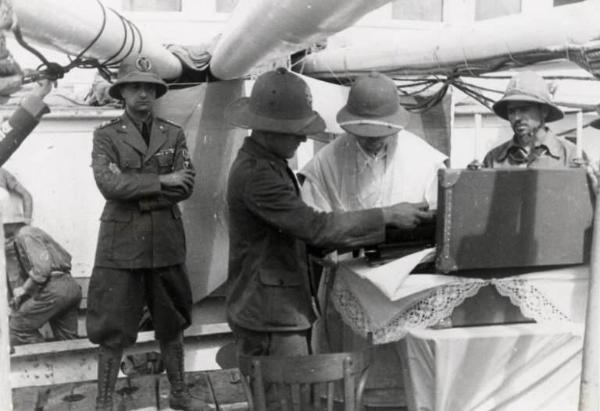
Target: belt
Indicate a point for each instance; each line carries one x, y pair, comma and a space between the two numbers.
58, 273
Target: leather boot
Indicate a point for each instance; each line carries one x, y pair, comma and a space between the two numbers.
109, 360
180, 397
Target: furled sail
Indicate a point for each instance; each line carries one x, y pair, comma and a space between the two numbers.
483, 46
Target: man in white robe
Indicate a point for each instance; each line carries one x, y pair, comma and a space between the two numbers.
376, 162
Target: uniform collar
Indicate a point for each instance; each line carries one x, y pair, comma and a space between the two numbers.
133, 137
139, 123
254, 148
545, 139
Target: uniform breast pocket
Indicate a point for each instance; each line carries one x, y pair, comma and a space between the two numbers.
131, 161
119, 235
165, 158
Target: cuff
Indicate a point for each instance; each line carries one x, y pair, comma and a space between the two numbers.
34, 105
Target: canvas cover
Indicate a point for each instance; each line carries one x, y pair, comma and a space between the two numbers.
496, 218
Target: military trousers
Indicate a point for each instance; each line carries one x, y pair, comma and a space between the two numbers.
55, 303
116, 300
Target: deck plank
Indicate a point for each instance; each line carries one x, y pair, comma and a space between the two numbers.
73, 361
219, 389
228, 389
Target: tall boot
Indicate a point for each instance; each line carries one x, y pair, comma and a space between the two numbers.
109, 361
180, 397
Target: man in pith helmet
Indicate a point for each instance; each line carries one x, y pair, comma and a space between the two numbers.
142, 167
269, 306
526, 104
376, 162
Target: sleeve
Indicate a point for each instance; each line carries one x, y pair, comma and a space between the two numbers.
314, 196
21, 123
9, 181
429, 160
274, 200
3, 182
118, 185
37, 255
169, 197
488, 160
314, 189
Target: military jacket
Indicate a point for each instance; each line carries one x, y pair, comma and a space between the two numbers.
269, 227
140, 226
550, 152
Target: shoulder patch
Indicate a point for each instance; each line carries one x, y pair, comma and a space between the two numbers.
168, 122
109, 122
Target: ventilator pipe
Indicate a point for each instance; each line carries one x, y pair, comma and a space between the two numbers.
483, 46
263, 30
71, 26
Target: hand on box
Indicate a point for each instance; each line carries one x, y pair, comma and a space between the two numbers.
407, 215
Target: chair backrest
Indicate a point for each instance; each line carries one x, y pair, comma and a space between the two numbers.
307, 382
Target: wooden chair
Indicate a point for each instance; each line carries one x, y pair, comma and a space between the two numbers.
305, 383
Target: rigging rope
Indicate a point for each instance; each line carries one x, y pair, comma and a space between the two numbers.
427, 102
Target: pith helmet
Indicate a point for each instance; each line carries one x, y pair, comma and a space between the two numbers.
527, 86
373, 108
138, 71
280, 102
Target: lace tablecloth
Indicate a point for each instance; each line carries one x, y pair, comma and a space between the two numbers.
422, 300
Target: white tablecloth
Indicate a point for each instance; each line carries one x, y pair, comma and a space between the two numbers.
509, 367
380, 304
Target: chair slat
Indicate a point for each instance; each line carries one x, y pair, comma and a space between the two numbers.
258, 387
306, 391
316, 396
330, 394
349, 393
295, 392
282, 392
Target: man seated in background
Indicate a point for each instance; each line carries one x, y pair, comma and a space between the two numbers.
41, 288
527, 106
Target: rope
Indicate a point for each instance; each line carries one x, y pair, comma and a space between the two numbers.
53, 70
472, 90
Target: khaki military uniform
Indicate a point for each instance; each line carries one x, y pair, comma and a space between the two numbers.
56, 295
141, 243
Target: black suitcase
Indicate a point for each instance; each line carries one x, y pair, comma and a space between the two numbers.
496, 218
